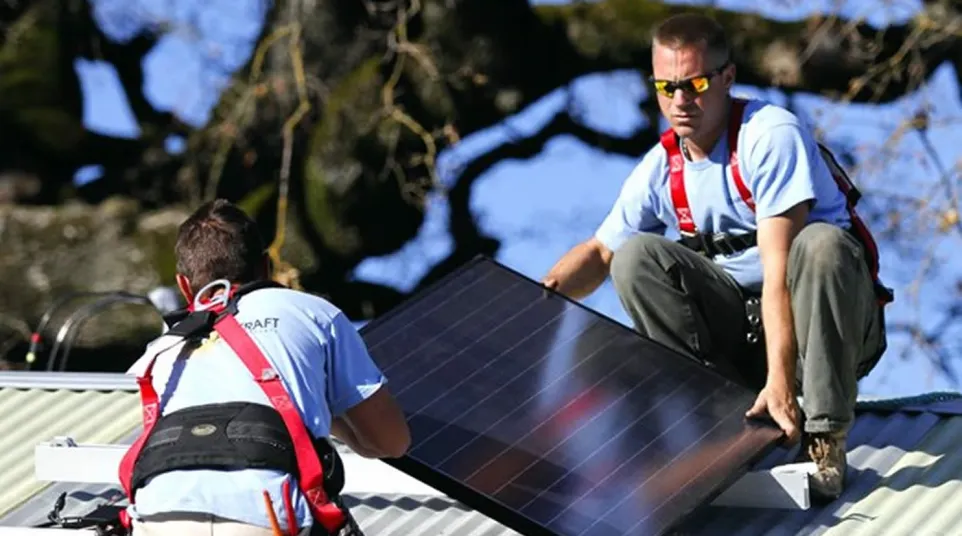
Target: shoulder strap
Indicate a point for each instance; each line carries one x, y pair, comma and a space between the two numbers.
676, 176
192, 324
311, 473
676, 169
734, 126
150, 407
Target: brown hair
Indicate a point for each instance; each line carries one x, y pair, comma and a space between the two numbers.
694, 29
219, 241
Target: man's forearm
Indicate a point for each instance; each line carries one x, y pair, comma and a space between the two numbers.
343, 431
779, 334
775, 236
581, 271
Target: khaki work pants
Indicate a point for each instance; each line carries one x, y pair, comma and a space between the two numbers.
690, 304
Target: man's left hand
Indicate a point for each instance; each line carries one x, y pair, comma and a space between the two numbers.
779, 402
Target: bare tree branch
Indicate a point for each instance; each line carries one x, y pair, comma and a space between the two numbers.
469, 240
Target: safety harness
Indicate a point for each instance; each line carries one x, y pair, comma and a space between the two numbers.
235, 435
712, 244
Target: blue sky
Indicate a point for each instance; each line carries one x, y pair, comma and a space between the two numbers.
541, 207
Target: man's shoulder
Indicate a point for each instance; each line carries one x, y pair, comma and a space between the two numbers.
652, 166
287, 298
298, 309
761, 114
770, 128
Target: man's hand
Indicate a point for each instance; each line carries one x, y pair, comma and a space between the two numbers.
778, 400
550, 281
580, 271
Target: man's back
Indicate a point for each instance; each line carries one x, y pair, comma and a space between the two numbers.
324, 366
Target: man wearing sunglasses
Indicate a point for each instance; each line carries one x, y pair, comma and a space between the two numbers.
766, 236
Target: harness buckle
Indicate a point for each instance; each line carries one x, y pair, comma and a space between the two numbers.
723, 244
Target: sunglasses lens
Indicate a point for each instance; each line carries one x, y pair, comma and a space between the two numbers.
661, 86
700, 84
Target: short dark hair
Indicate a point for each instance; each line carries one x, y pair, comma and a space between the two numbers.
219, 241
688, 29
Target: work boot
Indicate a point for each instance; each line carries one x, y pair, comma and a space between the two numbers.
827, 450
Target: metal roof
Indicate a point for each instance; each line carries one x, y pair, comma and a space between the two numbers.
36, 407
905, 474
903, 465
31, 416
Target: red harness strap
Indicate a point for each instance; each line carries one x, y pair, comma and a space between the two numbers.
676, 169
679, 197
861, 230
311, 473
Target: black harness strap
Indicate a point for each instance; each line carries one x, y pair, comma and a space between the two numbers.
712, 244
228, 436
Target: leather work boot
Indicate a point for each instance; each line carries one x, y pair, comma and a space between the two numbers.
827, 450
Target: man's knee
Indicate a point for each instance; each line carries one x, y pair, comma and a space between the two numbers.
639, 255
823, 249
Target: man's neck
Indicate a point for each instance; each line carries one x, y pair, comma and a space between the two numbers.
699, 147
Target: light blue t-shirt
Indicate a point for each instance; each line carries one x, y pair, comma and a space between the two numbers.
780, 164
325, 367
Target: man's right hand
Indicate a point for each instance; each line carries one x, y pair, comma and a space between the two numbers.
580, 271
777, 399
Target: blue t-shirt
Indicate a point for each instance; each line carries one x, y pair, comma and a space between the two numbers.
324, 365
780, 164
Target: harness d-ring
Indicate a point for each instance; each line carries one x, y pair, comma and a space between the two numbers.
217, 299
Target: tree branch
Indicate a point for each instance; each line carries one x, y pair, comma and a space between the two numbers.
468, 239
932, 341
821, 55
89, 41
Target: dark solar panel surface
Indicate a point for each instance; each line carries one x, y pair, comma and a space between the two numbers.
552, 418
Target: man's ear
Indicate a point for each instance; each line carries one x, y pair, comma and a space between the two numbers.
729, 75
184, 285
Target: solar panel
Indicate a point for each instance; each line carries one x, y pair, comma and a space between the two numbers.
553, 419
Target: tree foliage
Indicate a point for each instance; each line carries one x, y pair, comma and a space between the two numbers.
331, 128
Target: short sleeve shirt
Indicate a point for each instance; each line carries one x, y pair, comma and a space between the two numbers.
325, 367
780, 163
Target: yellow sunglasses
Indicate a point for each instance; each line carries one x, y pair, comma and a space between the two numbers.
695, 84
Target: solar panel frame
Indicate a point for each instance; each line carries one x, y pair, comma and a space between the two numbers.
488, 505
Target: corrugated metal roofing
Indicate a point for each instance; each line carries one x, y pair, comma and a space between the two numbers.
390, 515
905, 474
920, 494
31, 416
38, 407
877, 444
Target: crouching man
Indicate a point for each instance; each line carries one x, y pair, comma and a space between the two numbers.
769, 238
242, 393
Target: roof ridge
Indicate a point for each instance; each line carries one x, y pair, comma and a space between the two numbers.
941, 402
